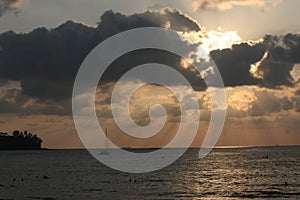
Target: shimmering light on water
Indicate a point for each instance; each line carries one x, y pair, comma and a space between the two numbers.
246, 173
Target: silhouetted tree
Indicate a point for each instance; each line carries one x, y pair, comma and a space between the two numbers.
20, 140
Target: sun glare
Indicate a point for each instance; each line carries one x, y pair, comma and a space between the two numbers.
213, 39
207, 41
220, 40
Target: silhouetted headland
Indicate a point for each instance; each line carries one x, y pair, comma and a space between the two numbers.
19, 141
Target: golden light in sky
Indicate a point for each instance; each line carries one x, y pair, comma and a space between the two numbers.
254, 67
228, 4
220, 39
212, 39
219, 25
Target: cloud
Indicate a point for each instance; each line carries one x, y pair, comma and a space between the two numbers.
283, 52
8, 5
234, 64
51, 58
228, 4
269, 63
13, 101
48, 58
112, 23
45, 62
252, 101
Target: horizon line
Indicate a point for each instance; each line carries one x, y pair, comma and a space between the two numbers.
142, 148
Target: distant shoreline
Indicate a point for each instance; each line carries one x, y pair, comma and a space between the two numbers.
19, 140
154, 149
41, 149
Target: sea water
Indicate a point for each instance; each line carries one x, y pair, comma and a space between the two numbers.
241, 173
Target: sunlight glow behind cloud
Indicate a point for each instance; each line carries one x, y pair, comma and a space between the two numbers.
220, 39
212, 39
228, 4
254, 67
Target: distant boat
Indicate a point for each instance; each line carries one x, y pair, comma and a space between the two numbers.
105, 152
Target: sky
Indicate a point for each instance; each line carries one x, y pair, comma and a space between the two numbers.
255, 45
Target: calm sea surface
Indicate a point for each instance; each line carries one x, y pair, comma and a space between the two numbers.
253, 173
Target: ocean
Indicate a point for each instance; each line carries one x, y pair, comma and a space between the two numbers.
241, 173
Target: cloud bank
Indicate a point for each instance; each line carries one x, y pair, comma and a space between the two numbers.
44, 62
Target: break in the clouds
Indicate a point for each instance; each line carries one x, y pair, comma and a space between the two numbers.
45, 62
228, 4
9, 5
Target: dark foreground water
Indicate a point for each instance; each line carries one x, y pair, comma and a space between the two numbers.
253, 173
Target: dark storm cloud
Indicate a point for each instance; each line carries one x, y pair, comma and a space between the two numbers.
112, 23
8, 5
132, 59
283, 52
234, 64
46, 61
